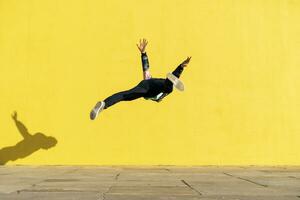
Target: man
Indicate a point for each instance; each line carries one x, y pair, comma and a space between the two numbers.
150, 88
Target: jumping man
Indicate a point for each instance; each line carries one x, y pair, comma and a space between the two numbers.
150, 88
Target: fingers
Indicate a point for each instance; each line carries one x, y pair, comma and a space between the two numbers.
143, 42
188, 59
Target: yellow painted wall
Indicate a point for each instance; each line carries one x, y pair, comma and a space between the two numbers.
242, 100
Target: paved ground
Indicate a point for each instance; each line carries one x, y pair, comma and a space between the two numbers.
149, 183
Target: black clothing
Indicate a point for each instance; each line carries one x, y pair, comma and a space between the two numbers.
145, 62
154, 88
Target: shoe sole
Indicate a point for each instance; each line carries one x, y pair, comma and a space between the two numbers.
178, 84
96, 110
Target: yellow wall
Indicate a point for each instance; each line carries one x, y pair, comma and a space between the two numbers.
242, 99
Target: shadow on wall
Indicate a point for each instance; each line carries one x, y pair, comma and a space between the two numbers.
27, 146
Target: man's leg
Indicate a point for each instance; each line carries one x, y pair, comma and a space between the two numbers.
128, 95
139, 91
168, 84
177, 72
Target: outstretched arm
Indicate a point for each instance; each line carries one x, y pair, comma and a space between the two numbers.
21, 127
177, 72
145, 62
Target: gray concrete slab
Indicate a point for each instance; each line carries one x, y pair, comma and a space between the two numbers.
152, 190
231, 187
149, 183
150, 197
86, 186
54, 195
145, 183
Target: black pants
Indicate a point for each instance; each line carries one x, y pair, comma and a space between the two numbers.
146, 88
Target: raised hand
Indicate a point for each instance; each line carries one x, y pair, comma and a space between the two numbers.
142, 45
186, 62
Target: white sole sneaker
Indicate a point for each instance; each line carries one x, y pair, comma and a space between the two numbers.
97, 109
178, 84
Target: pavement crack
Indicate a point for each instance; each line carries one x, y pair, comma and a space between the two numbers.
244, 179
104, 193
191, 187
117, 176
110, 187
168, 170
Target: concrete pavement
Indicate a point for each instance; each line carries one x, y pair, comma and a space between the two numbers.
149, 183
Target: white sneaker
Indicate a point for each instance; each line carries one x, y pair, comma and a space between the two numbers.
97, 109
178, 84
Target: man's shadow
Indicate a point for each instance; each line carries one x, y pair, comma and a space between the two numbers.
26, 147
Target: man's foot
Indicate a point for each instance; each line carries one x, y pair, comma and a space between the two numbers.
97, 109
186, 62
178, 84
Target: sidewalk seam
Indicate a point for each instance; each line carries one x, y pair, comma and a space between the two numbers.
245, 179
192, 188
